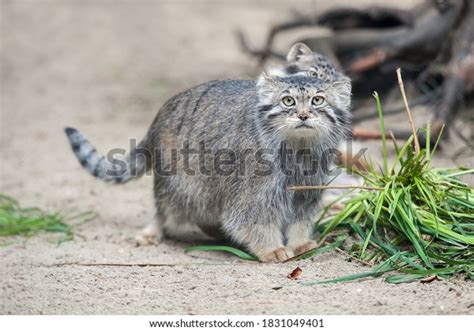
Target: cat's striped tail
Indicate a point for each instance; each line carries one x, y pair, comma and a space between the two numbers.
110, 169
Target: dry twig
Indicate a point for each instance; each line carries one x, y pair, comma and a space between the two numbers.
407, 107
325, 187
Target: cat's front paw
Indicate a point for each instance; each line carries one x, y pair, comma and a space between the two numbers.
150, 235
278, 255
305, 247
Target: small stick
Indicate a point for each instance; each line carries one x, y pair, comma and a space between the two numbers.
324, 187
367, 134
375, 58
294, 258
87, 264
392, 136
407, 107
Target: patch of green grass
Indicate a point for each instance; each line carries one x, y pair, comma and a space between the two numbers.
421, 223
18, 221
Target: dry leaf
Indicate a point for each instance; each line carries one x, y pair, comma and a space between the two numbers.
295, 274
429, 279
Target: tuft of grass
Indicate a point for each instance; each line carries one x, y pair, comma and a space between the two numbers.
421, 224
18, 221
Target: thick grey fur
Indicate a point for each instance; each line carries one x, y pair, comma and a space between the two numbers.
254, 210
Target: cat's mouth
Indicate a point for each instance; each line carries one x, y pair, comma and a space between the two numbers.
299, 128
304, 125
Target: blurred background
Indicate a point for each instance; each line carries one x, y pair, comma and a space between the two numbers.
107, 66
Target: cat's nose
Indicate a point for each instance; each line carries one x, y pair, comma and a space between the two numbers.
303, 116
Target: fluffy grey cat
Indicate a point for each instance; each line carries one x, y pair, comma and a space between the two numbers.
224, 154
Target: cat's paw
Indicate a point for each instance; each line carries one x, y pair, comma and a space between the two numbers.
150, 235
305, 247
278, 255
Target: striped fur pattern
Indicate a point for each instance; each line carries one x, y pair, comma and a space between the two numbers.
277, 116
118, 171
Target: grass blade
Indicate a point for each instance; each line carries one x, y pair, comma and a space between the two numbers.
206, 248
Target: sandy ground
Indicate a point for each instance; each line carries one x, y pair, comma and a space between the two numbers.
106, 67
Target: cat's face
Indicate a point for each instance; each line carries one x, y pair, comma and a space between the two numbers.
304, 107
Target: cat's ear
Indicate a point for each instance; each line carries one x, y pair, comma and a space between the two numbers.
265, 87
265, 79
341, 92
298, 51
275, 71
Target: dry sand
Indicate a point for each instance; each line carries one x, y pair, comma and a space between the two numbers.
106, 67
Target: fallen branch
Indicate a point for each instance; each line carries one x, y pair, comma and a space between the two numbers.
112, 264
368, 134
375, 17
375, 58
422, 40
123, 264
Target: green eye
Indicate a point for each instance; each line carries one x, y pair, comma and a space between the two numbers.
317, 101
313, 73
288, 101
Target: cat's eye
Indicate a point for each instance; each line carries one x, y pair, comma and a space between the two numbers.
317, 101
288, 101
313, 73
